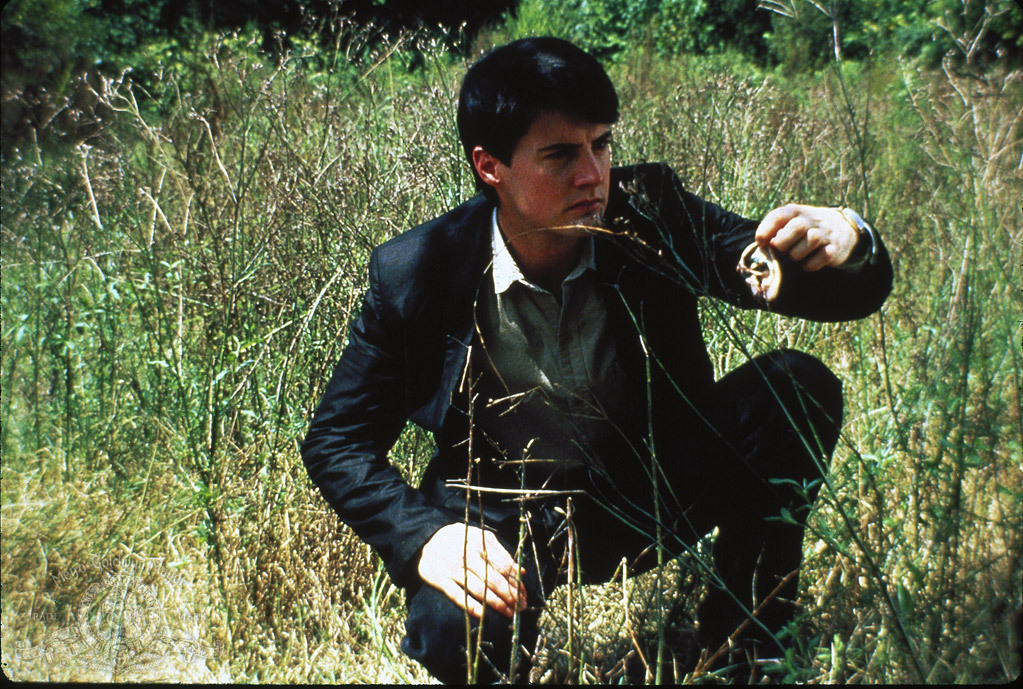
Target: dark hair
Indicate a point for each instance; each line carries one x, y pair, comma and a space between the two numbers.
507, 89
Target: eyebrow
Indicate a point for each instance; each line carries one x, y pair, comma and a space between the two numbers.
606, 137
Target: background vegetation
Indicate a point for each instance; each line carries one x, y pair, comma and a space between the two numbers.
183, 246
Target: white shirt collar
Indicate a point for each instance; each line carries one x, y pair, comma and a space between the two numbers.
507, 272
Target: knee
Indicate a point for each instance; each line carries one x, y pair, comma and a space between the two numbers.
809, 391
810, 378
436, 637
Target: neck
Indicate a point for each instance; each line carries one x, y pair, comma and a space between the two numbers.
545, 257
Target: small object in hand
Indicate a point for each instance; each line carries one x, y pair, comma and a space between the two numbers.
763, 274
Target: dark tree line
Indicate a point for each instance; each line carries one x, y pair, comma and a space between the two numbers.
47, 46
297, 17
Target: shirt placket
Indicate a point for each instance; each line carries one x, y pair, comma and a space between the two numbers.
572, 354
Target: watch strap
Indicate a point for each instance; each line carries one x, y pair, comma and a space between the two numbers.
865, 250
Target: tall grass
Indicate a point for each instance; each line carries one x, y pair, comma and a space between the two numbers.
177, 289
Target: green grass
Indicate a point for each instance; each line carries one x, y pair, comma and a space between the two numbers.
177, 289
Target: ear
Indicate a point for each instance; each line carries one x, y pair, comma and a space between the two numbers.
488, 167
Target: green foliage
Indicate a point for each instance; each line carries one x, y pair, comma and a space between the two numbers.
532, 18
670, 27
930, 29
49, 31
47, 43
798, 35
606, 27
699, 27
50, 45
128, 25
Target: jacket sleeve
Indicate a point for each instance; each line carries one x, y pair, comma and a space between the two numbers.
354, 427
703, 242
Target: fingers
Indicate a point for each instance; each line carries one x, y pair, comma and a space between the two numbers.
493, 565
484, 583
797, 238
801, 239
824, 256
503, 575
471, 593
460, 560
817, 237
773, 222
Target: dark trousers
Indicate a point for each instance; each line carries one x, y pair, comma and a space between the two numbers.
784, 412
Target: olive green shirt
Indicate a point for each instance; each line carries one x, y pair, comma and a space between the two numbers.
555, 386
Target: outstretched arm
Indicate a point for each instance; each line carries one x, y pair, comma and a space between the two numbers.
818, 250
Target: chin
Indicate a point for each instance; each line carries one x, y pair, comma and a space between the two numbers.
574, 231
578, 226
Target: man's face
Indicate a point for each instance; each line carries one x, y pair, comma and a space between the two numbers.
558, 176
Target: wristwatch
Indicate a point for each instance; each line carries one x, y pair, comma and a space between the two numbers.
865, 250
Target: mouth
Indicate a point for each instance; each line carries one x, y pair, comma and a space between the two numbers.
588, 207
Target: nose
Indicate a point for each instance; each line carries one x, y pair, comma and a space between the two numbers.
588, 170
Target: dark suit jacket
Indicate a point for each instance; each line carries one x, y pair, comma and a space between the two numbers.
407, 350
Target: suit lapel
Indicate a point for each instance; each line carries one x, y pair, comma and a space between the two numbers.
471, 243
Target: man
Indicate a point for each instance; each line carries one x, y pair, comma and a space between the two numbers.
546, 332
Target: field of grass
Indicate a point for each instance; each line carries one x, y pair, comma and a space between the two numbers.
177, 288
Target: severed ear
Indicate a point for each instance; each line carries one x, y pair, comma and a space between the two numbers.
762, 272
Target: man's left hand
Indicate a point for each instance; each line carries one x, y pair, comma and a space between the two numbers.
818, 237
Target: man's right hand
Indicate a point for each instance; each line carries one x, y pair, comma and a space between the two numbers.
461, 559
